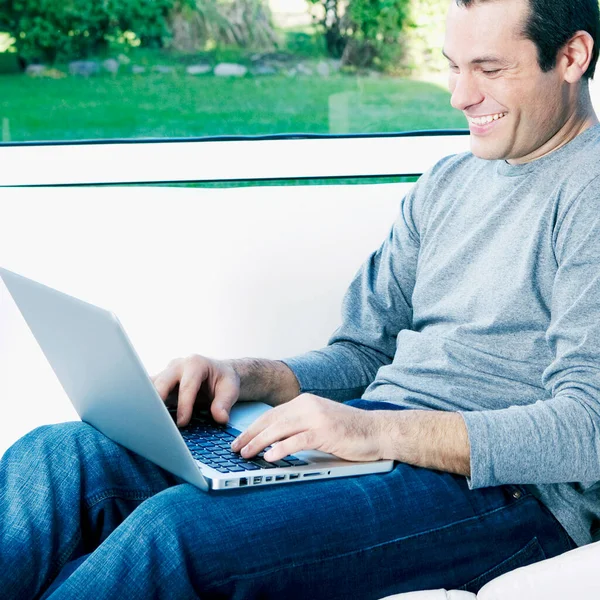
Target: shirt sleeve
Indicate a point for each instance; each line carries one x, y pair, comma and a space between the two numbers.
376, 306
555, 440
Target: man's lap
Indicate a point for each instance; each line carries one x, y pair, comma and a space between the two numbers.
365, 536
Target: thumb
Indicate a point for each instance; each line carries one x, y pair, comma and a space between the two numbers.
226, 395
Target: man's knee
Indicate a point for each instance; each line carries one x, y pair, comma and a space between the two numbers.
55, 440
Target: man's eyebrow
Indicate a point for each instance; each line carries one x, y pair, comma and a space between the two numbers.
488, 58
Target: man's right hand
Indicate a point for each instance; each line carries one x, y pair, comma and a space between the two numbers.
212, 384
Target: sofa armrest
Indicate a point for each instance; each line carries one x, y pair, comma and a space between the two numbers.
433, 595
571, 575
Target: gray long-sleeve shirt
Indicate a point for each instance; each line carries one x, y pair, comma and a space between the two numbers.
485, 299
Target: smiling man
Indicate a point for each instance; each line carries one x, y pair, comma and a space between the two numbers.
469, 352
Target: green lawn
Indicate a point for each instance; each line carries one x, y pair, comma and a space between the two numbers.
179, 105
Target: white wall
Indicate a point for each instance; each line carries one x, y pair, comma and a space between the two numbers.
225, 273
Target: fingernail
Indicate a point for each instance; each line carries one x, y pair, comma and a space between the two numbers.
235, 444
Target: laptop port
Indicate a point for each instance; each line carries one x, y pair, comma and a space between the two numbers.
279, 477
294, 475
243, 481
310, 474
257, 480
269, 478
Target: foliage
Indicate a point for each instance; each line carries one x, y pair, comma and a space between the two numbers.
424, 37
364, 32
242, 23
47, 30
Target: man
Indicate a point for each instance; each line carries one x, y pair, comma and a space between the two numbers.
472, 337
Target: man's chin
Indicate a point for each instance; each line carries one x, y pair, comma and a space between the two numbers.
486, 150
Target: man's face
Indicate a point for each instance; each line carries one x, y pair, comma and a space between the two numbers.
512, 107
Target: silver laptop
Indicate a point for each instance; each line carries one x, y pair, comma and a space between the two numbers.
110, 389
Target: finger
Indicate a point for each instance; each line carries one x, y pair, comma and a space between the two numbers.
165, 381
189, 386
253, 430
265, 438
304, 440
277, 431
226, 395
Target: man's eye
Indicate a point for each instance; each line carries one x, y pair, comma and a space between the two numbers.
491, 71
453, 68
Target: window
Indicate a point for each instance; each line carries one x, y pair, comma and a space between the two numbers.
222, 68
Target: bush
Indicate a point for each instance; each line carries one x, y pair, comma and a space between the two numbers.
374, 29
241, 23
51, 30
424, 37
364, 32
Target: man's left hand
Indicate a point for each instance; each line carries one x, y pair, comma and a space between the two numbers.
309, 422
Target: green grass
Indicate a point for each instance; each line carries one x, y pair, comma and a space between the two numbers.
178, 105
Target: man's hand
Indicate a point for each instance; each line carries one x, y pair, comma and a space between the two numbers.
310, 422
211, 383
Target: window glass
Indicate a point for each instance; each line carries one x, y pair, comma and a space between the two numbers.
191, 68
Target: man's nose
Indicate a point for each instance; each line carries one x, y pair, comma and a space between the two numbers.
465, 91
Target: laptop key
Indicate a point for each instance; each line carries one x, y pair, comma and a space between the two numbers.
295, 462
263, 464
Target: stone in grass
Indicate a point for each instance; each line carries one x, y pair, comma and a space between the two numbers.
85, 68
138, 69
164, 69
198, 69
263, 70
230, 70
303, 69
111, 65
35, 70
323, 69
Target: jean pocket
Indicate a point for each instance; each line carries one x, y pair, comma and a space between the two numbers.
531, 553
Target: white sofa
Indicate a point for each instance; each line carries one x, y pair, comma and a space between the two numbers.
252, 271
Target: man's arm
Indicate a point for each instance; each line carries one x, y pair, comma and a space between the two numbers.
432, 439
375, 308
425, 438
269, 381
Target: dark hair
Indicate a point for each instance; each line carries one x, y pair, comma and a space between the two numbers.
552, 23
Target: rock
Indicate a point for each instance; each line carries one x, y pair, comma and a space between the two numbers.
85, 68
111, 65
198, 69
35, 70
124, 59
164, 69
138, 69
54, 74
303, 69
323, 69
263, 70
230, 70
335, 64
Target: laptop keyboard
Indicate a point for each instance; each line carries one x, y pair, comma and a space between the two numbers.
210, 443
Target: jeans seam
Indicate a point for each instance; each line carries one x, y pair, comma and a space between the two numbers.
60, 562
117, 493
361, 550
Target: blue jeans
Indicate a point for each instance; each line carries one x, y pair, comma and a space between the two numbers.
128, 529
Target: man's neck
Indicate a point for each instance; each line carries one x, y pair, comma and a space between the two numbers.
581, 118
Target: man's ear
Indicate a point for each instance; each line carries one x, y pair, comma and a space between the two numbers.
575, 56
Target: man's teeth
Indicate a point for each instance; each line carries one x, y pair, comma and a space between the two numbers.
487, 119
